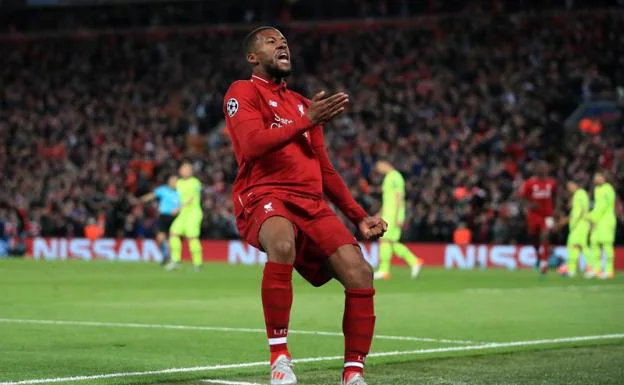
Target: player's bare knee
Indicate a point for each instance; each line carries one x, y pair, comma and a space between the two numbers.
360, 277
282, 251
277, 238
351, 268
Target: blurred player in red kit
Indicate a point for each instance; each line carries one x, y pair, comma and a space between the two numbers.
539, 193
284, 173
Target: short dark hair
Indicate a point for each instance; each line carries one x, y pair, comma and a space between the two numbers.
250, 39
383, 157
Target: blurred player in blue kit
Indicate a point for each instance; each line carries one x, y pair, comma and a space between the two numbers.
168, 207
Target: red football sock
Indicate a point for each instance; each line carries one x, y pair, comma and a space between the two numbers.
544, 256
545, 250
358, 325
277, 299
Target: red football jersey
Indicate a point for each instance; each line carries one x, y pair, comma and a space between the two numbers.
277, 148
542, 192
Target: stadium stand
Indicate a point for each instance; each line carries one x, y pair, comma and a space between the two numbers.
462, 104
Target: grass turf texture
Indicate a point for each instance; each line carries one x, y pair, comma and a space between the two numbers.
477, 306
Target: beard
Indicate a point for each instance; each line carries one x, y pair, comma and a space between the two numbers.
277, 73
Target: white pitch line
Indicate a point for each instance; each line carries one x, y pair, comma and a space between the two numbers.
493, 345
230, 382
575, 288
221, 329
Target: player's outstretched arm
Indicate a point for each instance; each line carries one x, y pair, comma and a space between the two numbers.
243, 116
148, 197
142, 199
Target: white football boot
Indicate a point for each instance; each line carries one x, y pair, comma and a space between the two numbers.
171, 266
282, 372
381, 275
354, 379
416, 269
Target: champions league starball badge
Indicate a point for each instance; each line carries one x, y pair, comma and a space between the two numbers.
232, 107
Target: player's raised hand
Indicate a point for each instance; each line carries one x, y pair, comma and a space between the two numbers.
324, 109
372, 227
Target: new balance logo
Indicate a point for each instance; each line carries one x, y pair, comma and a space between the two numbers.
272, 103
268, 207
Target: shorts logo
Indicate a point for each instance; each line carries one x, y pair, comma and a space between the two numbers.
268, 207
272, 103
231, 106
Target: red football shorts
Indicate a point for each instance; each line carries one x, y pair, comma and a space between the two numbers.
537, 224
318, 231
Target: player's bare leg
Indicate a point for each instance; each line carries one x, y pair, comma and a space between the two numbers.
277, 238
358, 324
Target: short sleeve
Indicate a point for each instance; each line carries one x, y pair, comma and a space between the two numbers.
397, 183
401, 182
158, 192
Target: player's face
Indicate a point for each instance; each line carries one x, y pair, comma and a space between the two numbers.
272, 53
599, 179
542, 170
571, 187
382, 167
186, 170
172, 181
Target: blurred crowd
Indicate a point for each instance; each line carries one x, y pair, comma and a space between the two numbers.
462, 105
18, 16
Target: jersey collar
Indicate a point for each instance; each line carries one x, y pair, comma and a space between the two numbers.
268, 83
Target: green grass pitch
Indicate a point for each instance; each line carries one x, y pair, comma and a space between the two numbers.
122, 323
